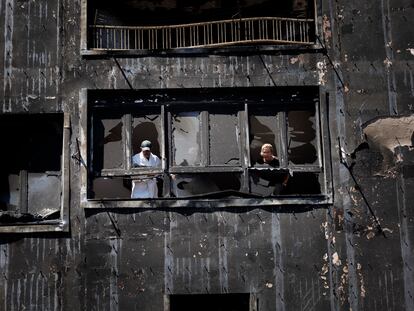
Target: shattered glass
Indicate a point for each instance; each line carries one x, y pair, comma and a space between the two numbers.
224, 139
302, 137
186, 138
44, 193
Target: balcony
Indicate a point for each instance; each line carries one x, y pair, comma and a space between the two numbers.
139, 27
243, 31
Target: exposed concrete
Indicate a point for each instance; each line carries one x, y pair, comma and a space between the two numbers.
389, 133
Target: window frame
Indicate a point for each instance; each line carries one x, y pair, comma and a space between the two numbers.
324, 168
128, 170
62, 223
255, 47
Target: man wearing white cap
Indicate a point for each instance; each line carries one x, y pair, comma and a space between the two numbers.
144, 188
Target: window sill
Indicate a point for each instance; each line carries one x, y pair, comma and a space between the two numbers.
233, 50
171, 203
31, 227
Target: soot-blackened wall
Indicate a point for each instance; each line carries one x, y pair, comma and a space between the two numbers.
354, 254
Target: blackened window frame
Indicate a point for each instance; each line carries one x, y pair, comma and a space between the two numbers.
323, 150
60, 224
128, 169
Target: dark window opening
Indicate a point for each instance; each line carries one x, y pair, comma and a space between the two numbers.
303, 184
146, 124
302, 136
268, 182
30, 172
264, 129
211, 144
211, 302
146, 13
165, 25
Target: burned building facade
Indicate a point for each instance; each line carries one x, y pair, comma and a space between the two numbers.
329, 84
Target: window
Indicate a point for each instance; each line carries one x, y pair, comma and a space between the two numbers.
160, 26
34, 173
209, 143
207, 302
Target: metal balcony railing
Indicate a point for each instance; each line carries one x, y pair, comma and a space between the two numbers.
257, 30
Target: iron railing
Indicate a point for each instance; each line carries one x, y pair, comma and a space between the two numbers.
258, 30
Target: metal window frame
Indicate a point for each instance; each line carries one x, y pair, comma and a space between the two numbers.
55, 225
324, 169
255, 48
205, 165
128, 169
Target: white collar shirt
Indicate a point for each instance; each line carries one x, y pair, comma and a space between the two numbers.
140, 160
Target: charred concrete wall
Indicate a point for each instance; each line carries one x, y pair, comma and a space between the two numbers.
354, 254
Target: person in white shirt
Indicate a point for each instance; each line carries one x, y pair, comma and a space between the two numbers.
146, 187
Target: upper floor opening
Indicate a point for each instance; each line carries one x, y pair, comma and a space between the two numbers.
34, 172
168, 25
204, 147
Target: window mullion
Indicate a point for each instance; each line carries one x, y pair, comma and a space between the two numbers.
91, 164
165, 123
283, 139
24, 192
318, 133
163, 139
169, 138
205, 142
126, 137
245, 146
244, 136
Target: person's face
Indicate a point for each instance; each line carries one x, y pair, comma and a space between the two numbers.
266, 154
146, 153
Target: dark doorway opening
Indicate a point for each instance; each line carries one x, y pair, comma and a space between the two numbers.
210, 302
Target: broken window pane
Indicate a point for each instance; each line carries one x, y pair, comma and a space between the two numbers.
110, 188
263, 129
186, 138
187, 185
44, 193
268, 182
107, 142
302, 137
34, 147
224, 139
147, 127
